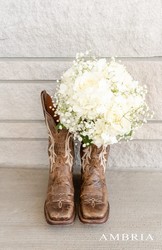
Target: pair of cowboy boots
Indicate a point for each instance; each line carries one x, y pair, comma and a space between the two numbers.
59, 206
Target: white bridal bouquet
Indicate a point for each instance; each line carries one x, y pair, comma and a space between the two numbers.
99, 101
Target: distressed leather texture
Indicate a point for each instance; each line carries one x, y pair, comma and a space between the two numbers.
94, 206
59, 203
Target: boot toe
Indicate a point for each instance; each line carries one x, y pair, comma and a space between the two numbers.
98, 212
59, 214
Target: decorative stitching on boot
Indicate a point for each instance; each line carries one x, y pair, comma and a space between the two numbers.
52, 154
102, 157
86, 156
68, 155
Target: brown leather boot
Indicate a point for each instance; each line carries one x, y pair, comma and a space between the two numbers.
94, 206
59, 204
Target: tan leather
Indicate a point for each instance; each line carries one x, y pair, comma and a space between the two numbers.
94, 206
59, 204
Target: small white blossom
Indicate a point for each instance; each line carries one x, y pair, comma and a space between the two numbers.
100, 102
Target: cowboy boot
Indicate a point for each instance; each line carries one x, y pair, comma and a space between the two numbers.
94, 206
59, 203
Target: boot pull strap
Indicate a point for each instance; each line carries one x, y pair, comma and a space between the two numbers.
47, 103
48, 112
42, 101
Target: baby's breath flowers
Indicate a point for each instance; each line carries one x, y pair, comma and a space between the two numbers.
99, 101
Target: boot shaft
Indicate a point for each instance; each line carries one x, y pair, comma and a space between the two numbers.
94, 156
60, 149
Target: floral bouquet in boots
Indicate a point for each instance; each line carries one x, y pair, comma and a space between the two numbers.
100, 104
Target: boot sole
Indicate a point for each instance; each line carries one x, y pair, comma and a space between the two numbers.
94, 221
56, 222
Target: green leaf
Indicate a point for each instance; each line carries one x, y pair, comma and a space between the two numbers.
58, 125
85, 139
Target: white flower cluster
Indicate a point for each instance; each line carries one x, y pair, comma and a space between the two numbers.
100, 102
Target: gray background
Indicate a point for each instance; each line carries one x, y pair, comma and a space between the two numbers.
38, 41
